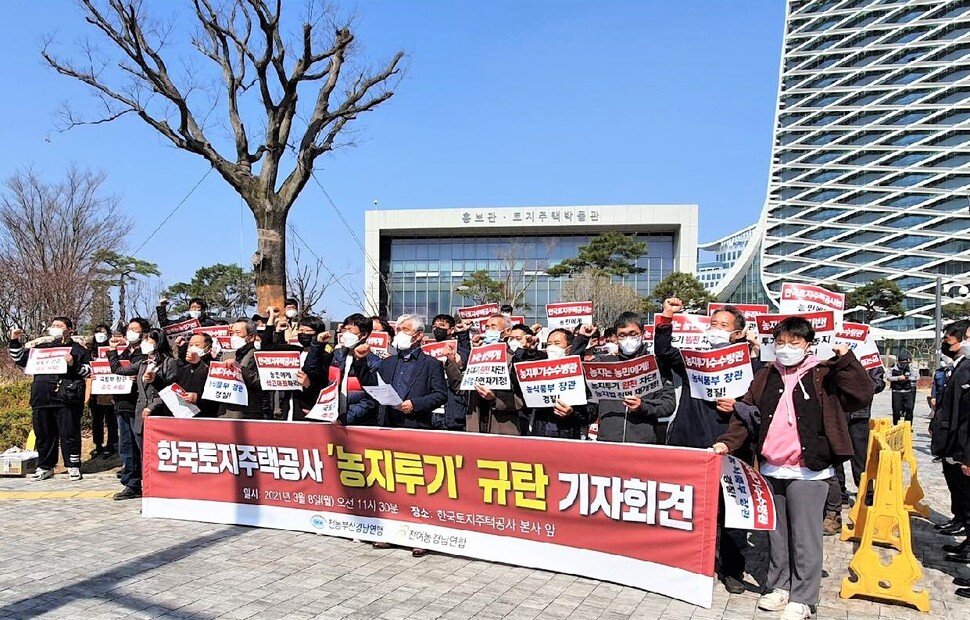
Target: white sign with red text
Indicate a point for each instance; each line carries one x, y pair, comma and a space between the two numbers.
182, 329
568, 315
225, 384
543, 382
219, 333
719, 373
437, 349
822, 322
488, 366
856, 336
379, 342
103, 351
748, 504
689, 331
47, 361
475, 313
103, 381
174, 396
278, 369
805, 298
326, 408
618, 380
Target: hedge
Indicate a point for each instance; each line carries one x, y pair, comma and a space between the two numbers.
15, 423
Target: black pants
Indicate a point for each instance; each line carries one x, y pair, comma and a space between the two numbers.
903, 403
58, 425
859, 432
102, 415
730, 560
959, 486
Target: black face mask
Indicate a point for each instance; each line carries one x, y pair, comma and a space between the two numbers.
945, 350
305, 339
440, 334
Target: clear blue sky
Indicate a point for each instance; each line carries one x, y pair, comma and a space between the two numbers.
504, 104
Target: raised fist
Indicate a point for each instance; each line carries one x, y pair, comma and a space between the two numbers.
16, 334
672, 305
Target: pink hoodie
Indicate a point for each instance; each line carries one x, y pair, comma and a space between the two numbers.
782, 446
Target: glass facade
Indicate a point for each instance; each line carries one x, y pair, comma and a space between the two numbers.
421, 274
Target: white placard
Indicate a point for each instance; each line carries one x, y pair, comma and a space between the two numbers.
278, 370
543, 382
567, 315
618, 380
327, 407
47, 361
719, 373
487, 366
225, 384
174, 398
103, 381
822, 322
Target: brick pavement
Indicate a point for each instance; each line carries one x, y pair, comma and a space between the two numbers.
87, 557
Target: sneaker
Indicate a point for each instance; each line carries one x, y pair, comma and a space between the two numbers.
832, 524
108, 452
98, 451
127, 493
733, 585
42, 474
796, 611
776, 600
74, 473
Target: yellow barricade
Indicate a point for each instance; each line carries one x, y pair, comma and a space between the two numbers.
886, 522
31, 441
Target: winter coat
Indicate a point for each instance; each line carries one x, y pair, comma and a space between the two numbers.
43, 388
617, 424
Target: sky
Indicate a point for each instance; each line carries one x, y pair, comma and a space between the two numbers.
502, 104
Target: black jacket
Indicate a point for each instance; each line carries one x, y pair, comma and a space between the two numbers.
253, 409
125, 403
950, 425
42, 390
426, 389
616, 424
162, 311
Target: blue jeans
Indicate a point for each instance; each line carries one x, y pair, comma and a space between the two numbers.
129, 447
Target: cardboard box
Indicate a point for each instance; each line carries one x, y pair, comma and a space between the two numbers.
14, 465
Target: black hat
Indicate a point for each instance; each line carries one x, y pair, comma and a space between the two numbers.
257, 317
904, 356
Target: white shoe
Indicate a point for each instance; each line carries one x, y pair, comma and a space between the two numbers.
776, 600
74, 473
42, 474
796, 611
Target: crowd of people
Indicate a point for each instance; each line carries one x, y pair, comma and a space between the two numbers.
801, 419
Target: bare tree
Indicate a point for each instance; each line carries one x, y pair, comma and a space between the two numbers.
610, 299
143, 296
259, 69
308, 281
518, 273
50, 237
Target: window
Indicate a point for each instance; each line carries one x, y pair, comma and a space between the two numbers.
953, 12
955, 31
864, 99
862, 258
825, 157
905, 36
826, 251
823, 233
824, 195
863, 178
905, 98
865, 137
866, 198
906, 262
787, 213
955, 138
862, 238
824, 138
907, 159
785, 230
824, 81
950, 225
825, 119
950, 118
907, 221
951, 75
787, 174
865, 79
789, 137
951, 55
906, 242
908, 180
907, 200
824, 215
953, 161
953, 96
866, 157
824, 101
949, 205
908, 55
862, 60
905, 139
954, 247
906, 16
822, 177
865, 119
820, 273
956, 181
907, 77
863, 217
863, 20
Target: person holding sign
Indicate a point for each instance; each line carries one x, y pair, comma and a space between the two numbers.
158, 370
445, 329
352, 359
102, 406
494, 411
794, 416
243, 338
193, 372
197, 310
126, 363
59, 366
562, 420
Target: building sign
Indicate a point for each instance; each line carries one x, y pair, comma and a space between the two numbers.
531, 216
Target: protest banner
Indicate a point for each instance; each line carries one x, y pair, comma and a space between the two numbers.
278, 369
437, 349
750, 312
568, 315
543, 382
326, 408
219, 333
648, 334
618, 380
475, 313
181, 329
689, 331
103, 381
748, 504
378, 342
487, 366
856, 336
225, 384
805, 298
47, 361
719, 373
174, 397
822, 322
643, 516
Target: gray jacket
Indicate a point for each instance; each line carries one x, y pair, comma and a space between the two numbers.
618, 424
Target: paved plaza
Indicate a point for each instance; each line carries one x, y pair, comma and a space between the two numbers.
68, 551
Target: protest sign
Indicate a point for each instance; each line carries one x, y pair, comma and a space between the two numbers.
642, 516
487, 366
822, 322
543, 382
326, 408
475, 313
719, 373
689, 331
748, 504
103, 381
568, 315
219, 333
278, 369
806, 299
618, 380
103, 351
378, 342
437, 349
47, 361
174, 398
182, 329
225, 384
857, 337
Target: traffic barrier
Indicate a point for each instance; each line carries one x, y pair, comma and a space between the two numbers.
886, 522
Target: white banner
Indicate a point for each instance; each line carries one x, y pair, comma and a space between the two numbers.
47, 361
856, 336
618, 380
567, 315
748, 504
225, 384
689, 331
488, 366
326, 408
805, 298
543, 382
378, 342
183, 329
278, 369
719, 373
174, 398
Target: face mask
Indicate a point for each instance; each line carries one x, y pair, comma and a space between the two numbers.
56, 332
101, 337
348, 340
195, 313
291, 314
514, 345
132, 336
945, 350
555, 352
147, 348
965, 348
440, 334
196, 351
718, 337
257, 345
492, 336
260, 328
305, 339
630, 344
790, 355
612, 348
238, 342
402, 341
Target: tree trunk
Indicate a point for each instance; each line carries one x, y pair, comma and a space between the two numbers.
269, 262
122, 300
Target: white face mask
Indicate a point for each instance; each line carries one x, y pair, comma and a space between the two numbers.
965, 348
630, 344
514, 345
257, 345
555, 352
718, 337
790, 355
238, 342
101, 337
612, 348
492, 336
132, 336
195, 313
147, 348
291, 314
56, 332
348, 340
402, 341
196, 351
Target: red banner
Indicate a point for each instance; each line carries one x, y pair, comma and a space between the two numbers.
643, 516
